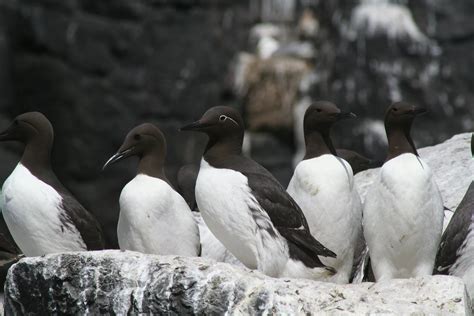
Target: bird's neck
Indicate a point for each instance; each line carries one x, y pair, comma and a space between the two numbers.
37, 155
152, 164
399, 141
318, 143
221, 147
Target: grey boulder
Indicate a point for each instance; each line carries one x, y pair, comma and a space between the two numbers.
115, 282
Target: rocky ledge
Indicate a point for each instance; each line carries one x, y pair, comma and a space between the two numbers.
115, 282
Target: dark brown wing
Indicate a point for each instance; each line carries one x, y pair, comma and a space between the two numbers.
87, 225
455, 234
285, 215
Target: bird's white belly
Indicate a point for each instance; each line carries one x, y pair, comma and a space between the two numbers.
211, 246
403, 218
32, 209
223, 197
323, 188
155, 219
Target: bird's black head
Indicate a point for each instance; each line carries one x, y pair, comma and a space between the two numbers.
218, 121
398, 120
28, 127
141, 140
402, 114
322, 115
225, 128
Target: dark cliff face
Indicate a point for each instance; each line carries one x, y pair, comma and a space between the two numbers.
98, 68
418, 51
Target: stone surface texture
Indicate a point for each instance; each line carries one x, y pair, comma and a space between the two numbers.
115, 282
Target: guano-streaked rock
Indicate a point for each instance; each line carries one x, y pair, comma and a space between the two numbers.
115, 282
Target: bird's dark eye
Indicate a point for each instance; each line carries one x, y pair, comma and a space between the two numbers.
222, 118
395, 109
16, 122
318, 110
137, 136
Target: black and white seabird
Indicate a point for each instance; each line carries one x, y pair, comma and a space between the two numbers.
357, 161
41, 214
247, 209
154, 218
403, 210
456, 251
323, 186
186, 179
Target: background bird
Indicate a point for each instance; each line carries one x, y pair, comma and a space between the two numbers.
186, 179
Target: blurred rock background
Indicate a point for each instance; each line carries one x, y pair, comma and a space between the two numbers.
98, 68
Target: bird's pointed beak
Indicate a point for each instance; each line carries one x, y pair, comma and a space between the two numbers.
419, 110
117, 157
195, 126
7, 134
346, 115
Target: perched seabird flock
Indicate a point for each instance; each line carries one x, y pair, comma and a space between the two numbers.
317, 228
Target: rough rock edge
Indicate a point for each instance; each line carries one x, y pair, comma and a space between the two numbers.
122, 282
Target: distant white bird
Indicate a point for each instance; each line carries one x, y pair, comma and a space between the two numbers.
403, 209
154, 218
267, 46
323, 186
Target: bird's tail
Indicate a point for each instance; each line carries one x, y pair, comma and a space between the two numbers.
298, 270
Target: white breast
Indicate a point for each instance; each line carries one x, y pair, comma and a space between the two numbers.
402, 211
155, 219
211, 246
226, 204
31, 210
324, 189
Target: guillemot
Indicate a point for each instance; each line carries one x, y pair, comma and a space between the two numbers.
247, 209
357, 161
456, 251
41, 214
154, 218
323, 186
403, 209
186, 178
